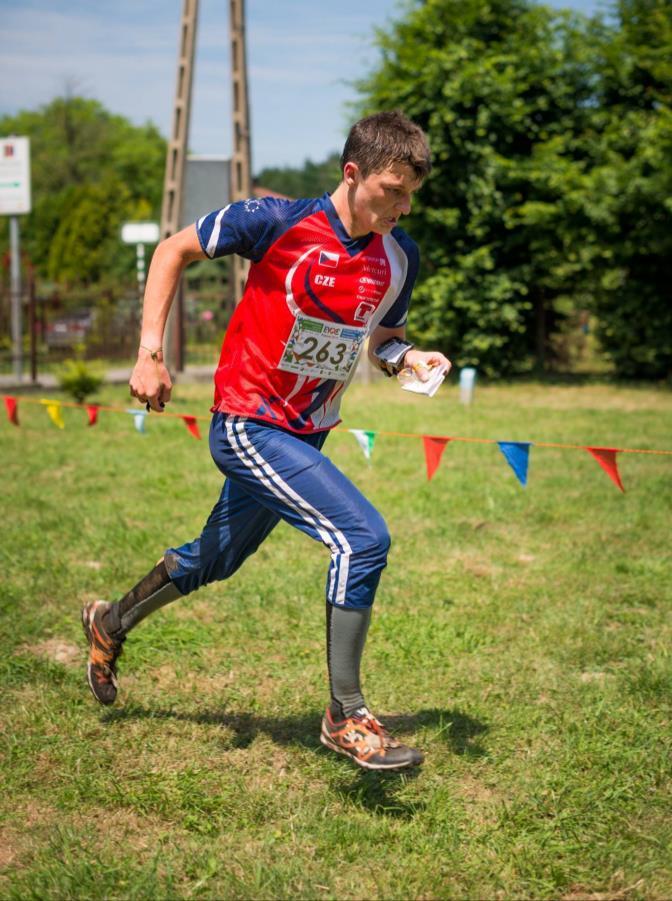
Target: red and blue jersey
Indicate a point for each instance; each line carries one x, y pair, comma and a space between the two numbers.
312, 297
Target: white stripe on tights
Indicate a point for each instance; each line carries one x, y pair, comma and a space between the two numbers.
330, 535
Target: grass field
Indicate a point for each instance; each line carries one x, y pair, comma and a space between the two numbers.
521, 637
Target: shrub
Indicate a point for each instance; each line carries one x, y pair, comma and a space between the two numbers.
78, 380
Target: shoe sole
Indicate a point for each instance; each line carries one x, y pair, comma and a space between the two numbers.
328, 743
87, 631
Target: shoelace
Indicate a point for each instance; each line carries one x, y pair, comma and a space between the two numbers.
376, 726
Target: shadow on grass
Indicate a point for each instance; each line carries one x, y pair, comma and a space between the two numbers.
374, 791
457, 729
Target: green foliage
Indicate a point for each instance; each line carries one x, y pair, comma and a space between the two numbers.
91, 170
549, 194
311, 180
78, 380
633, 302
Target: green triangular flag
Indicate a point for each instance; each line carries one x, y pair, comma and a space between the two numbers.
365, 440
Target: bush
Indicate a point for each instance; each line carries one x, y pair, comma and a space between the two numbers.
78, 380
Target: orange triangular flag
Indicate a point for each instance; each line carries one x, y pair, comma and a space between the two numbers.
192, 425
434, 448
606, 457
12, 409
92, 412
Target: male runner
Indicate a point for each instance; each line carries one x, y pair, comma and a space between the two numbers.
326, 274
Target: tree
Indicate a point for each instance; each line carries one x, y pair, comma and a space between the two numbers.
633, 303
311, 180
520, 218
91, 170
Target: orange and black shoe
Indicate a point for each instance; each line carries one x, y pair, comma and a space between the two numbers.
364, 738
104, 649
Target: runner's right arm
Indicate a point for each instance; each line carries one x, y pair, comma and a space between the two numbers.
150, 380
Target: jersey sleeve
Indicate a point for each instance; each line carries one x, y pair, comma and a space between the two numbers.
397, 315
247, 227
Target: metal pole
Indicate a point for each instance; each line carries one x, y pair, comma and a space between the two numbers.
17, 324
241, 176
32, 325
140, 266
173, 185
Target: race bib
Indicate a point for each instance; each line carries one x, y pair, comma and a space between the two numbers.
319, 349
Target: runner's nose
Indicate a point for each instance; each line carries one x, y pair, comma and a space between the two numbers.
404, 206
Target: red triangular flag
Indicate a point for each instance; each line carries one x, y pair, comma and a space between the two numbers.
434, 448
92, 412
12, 409
606, 457
192, 425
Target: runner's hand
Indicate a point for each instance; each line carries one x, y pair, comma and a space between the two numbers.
420, 361
150, 381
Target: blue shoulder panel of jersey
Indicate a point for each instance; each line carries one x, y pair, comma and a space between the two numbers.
249, 227
398, 312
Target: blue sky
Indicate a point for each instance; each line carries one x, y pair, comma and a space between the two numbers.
301, 57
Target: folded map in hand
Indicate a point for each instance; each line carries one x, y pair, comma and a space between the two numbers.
410, 381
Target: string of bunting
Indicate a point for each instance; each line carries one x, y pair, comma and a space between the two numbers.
516, 453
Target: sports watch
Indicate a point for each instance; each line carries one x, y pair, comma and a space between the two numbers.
390, 355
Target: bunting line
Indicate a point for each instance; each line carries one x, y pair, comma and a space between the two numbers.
583, 447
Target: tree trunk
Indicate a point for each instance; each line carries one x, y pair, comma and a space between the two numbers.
540, 332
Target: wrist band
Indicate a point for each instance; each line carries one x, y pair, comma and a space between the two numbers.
153, 353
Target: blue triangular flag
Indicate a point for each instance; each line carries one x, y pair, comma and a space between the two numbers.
517, 454
138, 419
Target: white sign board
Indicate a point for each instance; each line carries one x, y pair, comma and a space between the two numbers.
14, 176
140, 233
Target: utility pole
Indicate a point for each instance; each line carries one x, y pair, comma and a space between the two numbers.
15, 281
241, 181
173, 185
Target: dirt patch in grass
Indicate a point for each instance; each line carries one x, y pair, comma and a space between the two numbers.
138, 832
54, 649
582, 893
481, 800
16, 842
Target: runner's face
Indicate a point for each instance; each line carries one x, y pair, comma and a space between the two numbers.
382, 198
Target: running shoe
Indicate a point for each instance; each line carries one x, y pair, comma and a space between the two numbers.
363, 738
104, 649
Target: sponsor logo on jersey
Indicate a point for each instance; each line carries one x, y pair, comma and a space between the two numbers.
364, 312
328, 259
350, 333
367, 280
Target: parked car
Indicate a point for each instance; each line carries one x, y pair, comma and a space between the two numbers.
69, 329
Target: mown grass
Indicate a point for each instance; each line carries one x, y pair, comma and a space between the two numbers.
521, 638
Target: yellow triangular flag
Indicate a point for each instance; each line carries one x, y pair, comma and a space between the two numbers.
54, 411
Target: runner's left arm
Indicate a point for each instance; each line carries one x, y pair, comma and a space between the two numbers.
412, 357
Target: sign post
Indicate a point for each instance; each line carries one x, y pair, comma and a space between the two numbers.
14, 201
140, 233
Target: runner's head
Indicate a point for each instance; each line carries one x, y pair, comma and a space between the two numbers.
385, 160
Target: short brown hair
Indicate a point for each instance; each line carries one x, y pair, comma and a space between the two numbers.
378, 141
